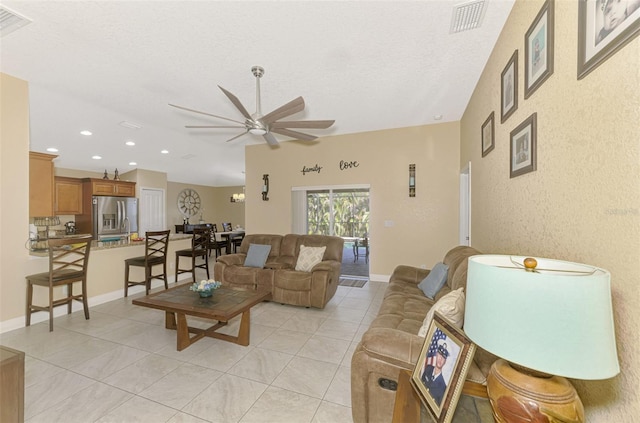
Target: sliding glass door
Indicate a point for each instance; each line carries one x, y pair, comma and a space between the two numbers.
341, 212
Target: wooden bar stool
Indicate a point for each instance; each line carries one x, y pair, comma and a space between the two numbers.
199, 248
155, 254
68, 260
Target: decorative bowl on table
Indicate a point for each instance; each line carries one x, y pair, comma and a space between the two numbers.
205, 287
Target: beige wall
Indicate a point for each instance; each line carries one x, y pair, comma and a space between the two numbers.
14, 194
583, 202
424, 227
216, 207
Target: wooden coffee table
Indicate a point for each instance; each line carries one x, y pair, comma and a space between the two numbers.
223, 305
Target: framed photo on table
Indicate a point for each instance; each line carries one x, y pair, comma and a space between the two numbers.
523, 147
604, 27
442, 367
488, 135
509, 88
538, 50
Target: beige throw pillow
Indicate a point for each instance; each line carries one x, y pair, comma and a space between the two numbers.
451, 306
309, 257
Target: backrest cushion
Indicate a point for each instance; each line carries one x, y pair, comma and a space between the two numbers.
265, 239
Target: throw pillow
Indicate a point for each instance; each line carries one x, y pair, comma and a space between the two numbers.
451, 307
309, 257
257, 255
435, 280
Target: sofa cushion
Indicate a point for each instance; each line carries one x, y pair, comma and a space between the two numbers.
434, 280
451, 307
309, 257
257, 255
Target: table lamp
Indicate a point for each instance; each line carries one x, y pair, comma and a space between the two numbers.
546, 320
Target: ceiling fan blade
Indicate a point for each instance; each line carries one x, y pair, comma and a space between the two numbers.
294, 134
271, 140
312, 124
210, 126
236, 103
204, 113
237, 136
294, 106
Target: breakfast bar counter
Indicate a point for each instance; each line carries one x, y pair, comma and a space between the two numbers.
105, 280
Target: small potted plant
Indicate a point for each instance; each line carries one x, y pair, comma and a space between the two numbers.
205, 287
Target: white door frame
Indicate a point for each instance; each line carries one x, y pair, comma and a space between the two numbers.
465, 205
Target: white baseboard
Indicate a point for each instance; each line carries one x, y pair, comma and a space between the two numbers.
379, 278
41, 316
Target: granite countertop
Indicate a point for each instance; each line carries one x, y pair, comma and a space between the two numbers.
100, 245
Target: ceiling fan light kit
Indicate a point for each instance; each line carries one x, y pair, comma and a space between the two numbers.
266, 125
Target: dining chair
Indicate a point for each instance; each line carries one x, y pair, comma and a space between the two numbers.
68, 262
215, 243
227, 227
155, 254
199, 248
361, 243
236, 241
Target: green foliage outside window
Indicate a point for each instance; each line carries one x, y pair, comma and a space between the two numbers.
348, 216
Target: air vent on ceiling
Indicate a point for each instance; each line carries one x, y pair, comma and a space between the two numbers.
10, 21
130, 125
467, 16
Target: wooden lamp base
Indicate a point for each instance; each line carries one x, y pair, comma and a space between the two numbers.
520, 395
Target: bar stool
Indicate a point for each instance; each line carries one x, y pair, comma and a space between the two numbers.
68, 260
199, 248
155, 254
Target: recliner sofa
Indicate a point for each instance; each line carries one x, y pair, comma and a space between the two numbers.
287, 285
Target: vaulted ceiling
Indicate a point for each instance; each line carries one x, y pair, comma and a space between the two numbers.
370, 65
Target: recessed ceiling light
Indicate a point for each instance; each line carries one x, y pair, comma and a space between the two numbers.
437, 117
96, 157
132, 163
130, 143
165, 151
52, 150
85, 132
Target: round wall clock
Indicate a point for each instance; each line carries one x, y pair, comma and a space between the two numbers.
189, 202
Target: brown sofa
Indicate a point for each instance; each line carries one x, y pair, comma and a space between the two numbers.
392, 343
288, 286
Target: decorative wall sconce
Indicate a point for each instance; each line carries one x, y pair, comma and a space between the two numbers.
412, 180
238, 197
265, 187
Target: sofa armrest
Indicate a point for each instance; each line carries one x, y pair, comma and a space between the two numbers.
409, 274
392, 346
328, 265
232, 259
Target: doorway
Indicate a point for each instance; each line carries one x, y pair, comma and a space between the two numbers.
340, 211
151, 213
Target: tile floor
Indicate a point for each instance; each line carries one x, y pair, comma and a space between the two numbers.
122, 365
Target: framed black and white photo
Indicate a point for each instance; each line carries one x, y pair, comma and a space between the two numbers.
604, 27
523, 147
442, 368
509, 88
538, 49
488, 137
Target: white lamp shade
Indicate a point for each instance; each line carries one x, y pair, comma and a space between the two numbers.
557, 321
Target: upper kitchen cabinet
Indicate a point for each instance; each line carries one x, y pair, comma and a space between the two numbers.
107, 187
68, 195
40, 184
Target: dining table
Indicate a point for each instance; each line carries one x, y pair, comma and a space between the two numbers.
228, 237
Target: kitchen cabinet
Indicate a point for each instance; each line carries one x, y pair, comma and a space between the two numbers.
68, 195
40, 184
107, 187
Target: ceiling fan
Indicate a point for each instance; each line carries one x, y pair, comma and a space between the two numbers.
266, 125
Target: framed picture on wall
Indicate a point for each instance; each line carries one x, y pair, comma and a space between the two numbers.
442, 368
604, 27
538, 50
488, 135
523, 147
509, 88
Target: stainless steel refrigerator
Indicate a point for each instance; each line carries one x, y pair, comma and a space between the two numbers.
114, 217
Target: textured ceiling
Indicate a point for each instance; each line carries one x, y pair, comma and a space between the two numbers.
368, 65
